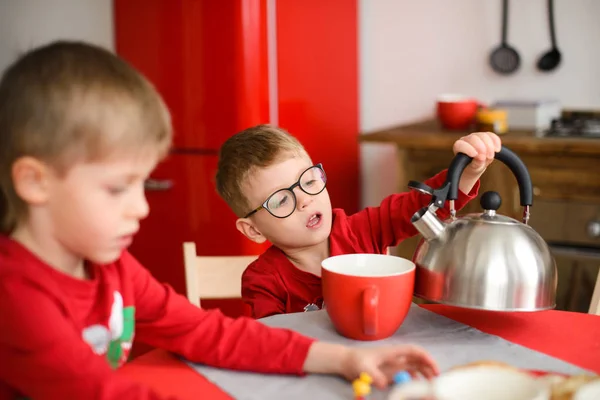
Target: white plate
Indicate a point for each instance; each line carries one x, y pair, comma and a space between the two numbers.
476, 383
589, 391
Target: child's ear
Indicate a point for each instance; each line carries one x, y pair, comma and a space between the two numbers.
246, 226
30, 180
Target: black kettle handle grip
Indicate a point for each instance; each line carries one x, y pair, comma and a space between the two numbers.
510, 159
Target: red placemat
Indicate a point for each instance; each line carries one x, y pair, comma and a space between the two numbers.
569, 336
172, 377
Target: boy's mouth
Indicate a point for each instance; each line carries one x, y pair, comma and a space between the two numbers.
125, 241
314, 220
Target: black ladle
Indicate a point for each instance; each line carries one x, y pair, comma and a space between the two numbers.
505, 59
551, 59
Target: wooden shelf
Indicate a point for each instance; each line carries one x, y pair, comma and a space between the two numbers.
428, 135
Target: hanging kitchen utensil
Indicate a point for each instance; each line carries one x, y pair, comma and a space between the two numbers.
505, 59
482, 260
551, 59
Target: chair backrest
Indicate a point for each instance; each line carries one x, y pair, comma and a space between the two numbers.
595, 303
213, 277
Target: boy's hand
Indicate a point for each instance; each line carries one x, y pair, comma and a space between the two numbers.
481, 146
382, 363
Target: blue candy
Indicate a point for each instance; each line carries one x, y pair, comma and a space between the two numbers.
402, 377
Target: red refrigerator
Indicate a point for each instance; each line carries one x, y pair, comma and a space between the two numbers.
222, 66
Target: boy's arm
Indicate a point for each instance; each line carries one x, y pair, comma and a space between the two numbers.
246, 344
390, 223
43, 354
168, 320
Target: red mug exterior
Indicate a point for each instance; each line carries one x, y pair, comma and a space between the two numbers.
367, 296
457, 112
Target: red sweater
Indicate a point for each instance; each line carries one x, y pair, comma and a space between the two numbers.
61, 338
273, 285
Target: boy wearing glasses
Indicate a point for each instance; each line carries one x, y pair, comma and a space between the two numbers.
280, 195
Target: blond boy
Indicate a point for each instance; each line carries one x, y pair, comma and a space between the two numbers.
80, 131
280, 196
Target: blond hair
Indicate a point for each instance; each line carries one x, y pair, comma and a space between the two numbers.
67, 102
256, 147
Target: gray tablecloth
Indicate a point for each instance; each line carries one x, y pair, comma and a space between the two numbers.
451, 343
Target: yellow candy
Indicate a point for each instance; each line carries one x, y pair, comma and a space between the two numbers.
365, 378
361, 388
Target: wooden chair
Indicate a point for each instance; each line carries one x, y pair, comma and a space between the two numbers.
576, 256
595, 303
213, 277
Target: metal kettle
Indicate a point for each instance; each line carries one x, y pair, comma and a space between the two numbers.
484, 260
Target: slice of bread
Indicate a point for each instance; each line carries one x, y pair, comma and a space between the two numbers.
485, 363
566, 388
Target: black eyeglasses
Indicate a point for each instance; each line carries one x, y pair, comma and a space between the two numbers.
282, 203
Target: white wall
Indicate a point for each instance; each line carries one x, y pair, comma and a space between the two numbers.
410, 51
28, 23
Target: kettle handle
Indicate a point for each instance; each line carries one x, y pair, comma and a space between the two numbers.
510, 159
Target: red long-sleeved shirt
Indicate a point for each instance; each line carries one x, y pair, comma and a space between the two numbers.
61, 338
273, 285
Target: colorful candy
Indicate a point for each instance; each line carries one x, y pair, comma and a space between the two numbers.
362, 386
402, 377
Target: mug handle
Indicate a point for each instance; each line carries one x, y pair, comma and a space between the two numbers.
370, 302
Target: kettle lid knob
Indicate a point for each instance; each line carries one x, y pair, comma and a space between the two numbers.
490, 201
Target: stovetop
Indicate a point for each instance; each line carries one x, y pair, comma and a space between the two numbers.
584, 124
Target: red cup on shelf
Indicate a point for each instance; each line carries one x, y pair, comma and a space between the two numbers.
456, 112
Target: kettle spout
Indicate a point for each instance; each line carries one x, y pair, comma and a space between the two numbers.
428, 224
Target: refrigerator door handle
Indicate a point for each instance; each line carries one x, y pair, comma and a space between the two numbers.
158, 185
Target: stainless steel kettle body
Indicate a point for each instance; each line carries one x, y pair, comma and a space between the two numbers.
485, 260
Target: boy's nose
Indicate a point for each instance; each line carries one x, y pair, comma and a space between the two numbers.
144, 208
302, 199
139, 207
